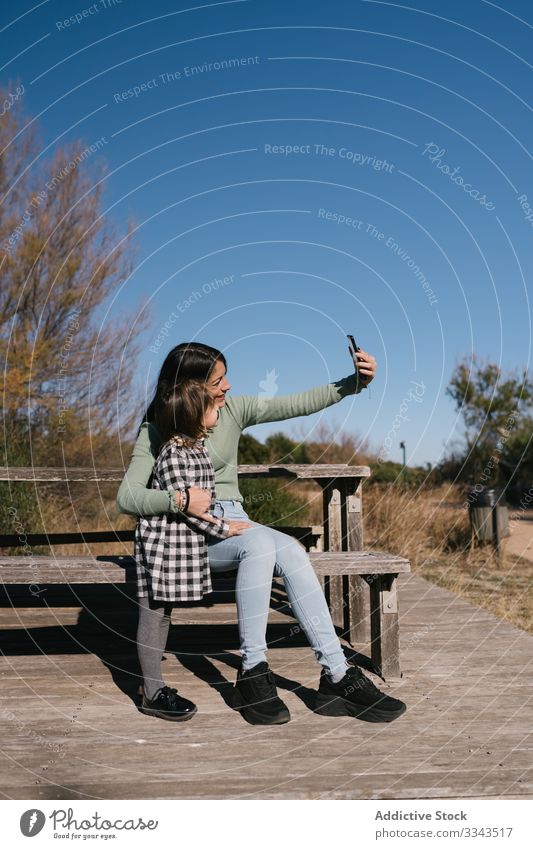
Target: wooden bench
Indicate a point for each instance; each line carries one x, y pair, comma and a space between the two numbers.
360, 586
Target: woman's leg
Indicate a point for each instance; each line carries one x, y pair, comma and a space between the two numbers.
308, 603
253, 554
344, 690
260, 553
152, 634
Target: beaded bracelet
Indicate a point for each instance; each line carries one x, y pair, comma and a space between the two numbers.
182, 500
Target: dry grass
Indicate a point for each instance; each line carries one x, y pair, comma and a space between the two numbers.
505, 590
77, 513
432, 529
418, 525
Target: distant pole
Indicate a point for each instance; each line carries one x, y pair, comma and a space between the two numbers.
496, 530
404, 470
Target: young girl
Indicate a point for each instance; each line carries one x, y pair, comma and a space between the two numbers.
171, 549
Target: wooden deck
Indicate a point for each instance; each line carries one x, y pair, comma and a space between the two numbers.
69, 678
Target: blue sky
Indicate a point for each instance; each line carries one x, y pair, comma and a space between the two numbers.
298, 171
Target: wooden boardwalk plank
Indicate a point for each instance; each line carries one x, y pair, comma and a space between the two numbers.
69, 676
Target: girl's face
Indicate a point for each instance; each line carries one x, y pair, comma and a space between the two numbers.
211, 415
217, 384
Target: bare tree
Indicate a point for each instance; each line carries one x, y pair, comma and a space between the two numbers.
67, 368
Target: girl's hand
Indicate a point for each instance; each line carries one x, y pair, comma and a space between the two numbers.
366, 366
199, 501
237, 527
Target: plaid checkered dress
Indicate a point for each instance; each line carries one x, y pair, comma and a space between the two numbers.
171, 549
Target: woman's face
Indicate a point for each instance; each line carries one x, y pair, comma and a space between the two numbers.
217, 384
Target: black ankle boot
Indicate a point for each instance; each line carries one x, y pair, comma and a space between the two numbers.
356, 695
166, 704
255, 696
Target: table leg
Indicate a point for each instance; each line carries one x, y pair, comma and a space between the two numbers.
384, 625
333, 541
347, 596
357, 597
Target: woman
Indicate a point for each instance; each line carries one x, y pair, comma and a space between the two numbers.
261, 552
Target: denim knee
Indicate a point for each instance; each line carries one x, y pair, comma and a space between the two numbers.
257, 542
293, 556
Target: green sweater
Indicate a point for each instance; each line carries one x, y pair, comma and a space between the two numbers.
238, 413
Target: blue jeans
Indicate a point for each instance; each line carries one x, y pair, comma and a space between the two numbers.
258, 554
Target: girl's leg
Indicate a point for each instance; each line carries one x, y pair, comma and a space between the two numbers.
152, 634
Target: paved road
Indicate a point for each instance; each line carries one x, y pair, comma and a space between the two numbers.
520, 542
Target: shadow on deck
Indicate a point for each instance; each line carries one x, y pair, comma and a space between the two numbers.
71, 728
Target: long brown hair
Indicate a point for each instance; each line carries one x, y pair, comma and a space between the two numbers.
188, 360
180, 410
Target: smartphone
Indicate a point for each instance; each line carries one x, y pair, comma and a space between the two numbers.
353, 347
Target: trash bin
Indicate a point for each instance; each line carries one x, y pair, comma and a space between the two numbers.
489, 514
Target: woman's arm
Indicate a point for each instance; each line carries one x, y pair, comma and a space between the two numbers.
172, 475
252, 409
136, 498
133, 496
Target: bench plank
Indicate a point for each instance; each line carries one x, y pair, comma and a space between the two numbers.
358, 563
101, 568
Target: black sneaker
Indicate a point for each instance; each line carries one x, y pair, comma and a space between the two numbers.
166, 704
356, 695
256, 697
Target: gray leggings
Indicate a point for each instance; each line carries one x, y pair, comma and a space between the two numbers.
152, 634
